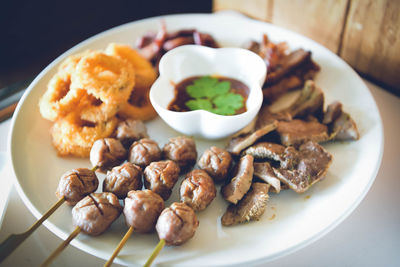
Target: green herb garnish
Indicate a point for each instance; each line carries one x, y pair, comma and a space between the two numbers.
214, 96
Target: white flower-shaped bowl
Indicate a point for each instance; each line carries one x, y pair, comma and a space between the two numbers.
193, 60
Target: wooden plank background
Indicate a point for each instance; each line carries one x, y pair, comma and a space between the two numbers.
365, 33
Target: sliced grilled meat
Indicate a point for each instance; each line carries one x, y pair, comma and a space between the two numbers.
297, 132
266, 150
263, 170
241, 182
311, 165
250, 208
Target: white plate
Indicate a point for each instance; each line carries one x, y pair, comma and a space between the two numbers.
291, 221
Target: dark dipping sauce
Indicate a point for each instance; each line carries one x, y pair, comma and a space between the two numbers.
181, 95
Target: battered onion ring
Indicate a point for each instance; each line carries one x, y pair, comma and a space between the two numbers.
108, 78
138, 107
59, 99
74, 137
145, 75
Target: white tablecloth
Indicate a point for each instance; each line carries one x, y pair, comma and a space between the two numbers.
370, 236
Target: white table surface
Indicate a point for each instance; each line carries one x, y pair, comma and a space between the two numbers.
370, 236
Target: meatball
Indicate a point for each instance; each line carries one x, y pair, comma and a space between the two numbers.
216, 162
144, 151
182, 150
129, 131
122, 179
197, 190
96, 212
76, 184
142, 209
106, 153
177, 224
161, 176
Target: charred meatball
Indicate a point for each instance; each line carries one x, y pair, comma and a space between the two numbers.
216, 162
107, 153
143, 152
197, 190
177, 224
142, 209
161, 176
182, 150
129, 131
96, 212
76, 184
122, 179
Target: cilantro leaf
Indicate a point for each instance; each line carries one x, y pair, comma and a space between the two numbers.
224, 110
195, 104
232, 100
207, 86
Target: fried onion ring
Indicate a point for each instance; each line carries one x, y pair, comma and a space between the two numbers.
74, 137
108, 78
145, 75
138, 107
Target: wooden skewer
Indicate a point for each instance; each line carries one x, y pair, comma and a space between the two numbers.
153, 255
119, 247
14, 240
61, 247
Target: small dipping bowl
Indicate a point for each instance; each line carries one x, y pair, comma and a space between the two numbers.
193, 60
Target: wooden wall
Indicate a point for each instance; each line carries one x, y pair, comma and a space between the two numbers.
365, 33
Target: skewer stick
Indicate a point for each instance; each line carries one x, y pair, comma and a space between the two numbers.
153, 255
14, 240
61, 247
119, 247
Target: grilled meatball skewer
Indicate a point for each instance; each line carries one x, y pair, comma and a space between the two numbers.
93, 215
141, 210
176, 225
73, 186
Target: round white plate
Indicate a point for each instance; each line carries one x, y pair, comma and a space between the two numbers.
291, 221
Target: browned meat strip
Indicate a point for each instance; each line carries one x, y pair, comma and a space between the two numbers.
161, 176
143, 152
107, 153
241, 182
266, 150
297, 132
182, 150
129, 131
141, 210
344, 128
122, 179
309, 102
216, 162
263, 170
237, 144
177, 224
76, 184
178, 41
341, 126
250, 208
333, 111
311, 166
96, 212
197, 190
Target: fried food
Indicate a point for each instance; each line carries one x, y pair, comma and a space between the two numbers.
138, 107
75, 137
60, 99
89, 90
145, 74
